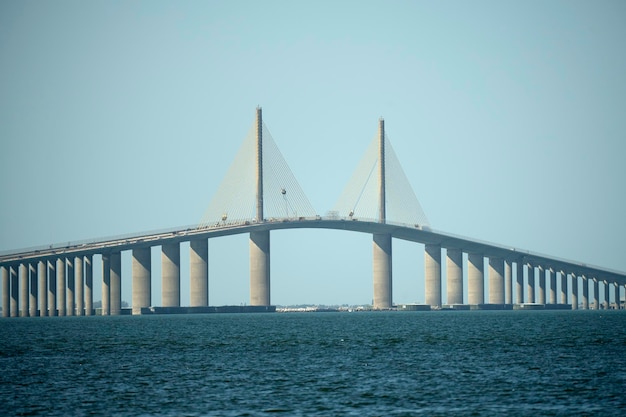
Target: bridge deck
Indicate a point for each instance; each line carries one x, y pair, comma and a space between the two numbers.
404, 232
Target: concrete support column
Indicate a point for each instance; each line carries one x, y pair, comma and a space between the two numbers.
142, 279
496, 281
542, 284
199, 272
14, 280
552, 293
616, 295
574, 291
585, 293
52, 288
381, 269
454, 265
6, 289
32, 299
432, 280
70, 296
260, 268
79, 285
475, 278
530, 278
563, 287
508, 282
596, 294
519, 286
42, 292
24, 291
88, 285
606, 295
61, 287
106, 284
116, 284
170, 275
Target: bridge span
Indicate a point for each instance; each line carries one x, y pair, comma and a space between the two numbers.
60, 278
258, 195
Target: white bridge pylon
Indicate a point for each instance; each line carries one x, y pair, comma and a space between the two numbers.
236, 199
379, 190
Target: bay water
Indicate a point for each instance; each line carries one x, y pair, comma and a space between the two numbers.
326, 364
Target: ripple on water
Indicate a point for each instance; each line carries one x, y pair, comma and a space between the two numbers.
435, 363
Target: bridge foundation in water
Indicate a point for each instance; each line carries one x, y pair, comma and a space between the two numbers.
454, 266
260, 268
432, 275
116, 283
381, 268
496, 281
142, 285
199, 272
475, 278
170, 275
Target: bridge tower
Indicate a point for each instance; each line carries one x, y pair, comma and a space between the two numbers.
381, 256
259, 241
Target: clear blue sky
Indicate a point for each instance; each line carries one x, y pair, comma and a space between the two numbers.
509, 119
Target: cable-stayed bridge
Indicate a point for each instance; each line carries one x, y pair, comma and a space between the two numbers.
260, 194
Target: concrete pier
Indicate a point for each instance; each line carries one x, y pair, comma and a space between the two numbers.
6, 288
116, 284
530, 280
475, 278
32, 298
563, 287
260, 268
106, 284
542, 284
142, 283
69, 295
89, 285
454, 265
23, 291
596, 293
42, 288
496, 281
606, 295
199, 272
552, 293
382, 271
508, 282
432, 280
14, 280
585, 293
61, 287
574, 291
519, 286
79, 285
52, 288
616, 295
170, 275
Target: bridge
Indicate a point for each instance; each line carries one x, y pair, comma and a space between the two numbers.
259, 194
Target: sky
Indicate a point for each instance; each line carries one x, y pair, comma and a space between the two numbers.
509, 119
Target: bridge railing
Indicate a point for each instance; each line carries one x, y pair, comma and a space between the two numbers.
330, 216
93, 241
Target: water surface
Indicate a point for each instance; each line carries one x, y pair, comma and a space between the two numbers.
362, 363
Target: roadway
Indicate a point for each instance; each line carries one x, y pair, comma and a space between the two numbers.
404, 232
